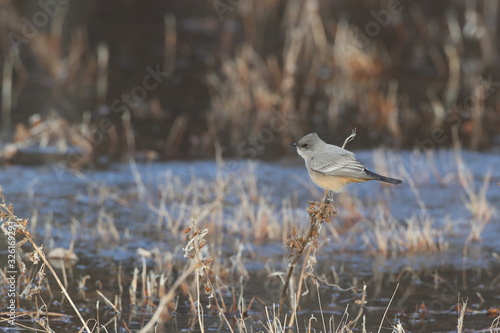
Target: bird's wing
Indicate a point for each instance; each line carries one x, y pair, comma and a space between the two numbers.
341, 165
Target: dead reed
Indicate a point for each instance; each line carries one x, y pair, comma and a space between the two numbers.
322, 72
331, 74
16, 229
318, 213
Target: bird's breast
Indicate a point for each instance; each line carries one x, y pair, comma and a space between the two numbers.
330, 182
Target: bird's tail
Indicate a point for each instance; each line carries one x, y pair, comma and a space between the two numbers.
382, 178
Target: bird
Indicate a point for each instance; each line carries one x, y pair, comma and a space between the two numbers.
331, 167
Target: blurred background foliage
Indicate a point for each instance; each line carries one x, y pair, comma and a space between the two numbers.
246, 77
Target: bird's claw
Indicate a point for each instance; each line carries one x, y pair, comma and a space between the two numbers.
329, 197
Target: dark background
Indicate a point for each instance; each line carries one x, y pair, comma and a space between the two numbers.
407, 80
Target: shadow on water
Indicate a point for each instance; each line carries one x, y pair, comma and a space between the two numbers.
111, 215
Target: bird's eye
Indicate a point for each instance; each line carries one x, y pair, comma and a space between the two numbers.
305, 145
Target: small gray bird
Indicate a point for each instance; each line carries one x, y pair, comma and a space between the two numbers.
332, 167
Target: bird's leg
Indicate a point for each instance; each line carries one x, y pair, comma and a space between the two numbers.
329, 197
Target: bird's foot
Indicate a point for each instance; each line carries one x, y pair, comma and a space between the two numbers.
329, 197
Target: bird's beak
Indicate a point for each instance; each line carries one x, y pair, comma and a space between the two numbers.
293, 144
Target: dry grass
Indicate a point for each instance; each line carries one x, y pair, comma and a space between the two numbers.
17, 231
475, 200
322, 72
391, 238
229, 203
230, 213
330, 75
50, 140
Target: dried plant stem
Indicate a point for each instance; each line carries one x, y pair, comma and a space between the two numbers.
27, 234
361, 303
318, 213
461, 315
199, 307
294, 262
7, 94
293, 315
387, 308
102, 72
159, 316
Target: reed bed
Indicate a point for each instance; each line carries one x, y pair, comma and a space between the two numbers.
332, 74
407, 82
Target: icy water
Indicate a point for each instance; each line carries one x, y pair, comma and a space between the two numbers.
109, 214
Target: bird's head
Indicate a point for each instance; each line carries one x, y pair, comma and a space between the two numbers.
306, 145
